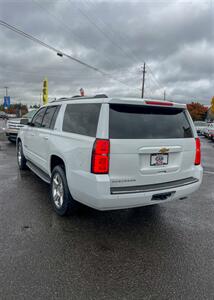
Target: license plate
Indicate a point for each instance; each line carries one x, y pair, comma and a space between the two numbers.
159, 159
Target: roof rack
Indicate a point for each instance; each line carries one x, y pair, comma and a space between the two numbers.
77, 97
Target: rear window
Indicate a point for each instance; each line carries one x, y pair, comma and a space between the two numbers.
147, 122
82, 118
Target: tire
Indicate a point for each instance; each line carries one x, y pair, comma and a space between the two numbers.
61, 199
11, 140
21, 160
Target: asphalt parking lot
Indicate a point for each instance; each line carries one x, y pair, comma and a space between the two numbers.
164, 252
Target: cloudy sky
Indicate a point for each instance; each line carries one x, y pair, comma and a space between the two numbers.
174, 37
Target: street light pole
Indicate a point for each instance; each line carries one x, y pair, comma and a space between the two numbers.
6, 90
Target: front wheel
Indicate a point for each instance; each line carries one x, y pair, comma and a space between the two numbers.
61, 198
21, 160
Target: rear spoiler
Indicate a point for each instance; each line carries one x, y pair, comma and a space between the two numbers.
146, 102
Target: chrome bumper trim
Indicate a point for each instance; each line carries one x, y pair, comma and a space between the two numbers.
153, 187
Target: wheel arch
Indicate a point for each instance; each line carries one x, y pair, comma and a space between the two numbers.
18, 140
56, 160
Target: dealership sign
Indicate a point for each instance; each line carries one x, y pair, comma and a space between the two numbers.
6, 102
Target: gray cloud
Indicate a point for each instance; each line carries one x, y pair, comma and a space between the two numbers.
174, 37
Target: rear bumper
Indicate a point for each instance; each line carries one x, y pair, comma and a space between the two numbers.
154, 187
97, 193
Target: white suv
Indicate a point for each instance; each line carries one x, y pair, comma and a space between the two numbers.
112, 153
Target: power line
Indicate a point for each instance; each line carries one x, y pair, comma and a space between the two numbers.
154, 77
148, 86
108, 26
124, 38
102, 32
65, 26
57, 51
162, 89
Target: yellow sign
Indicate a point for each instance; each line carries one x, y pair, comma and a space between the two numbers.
45, 91
212, 105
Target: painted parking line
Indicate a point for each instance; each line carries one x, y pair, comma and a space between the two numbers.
209, 172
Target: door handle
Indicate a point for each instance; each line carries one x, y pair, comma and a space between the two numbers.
45, 138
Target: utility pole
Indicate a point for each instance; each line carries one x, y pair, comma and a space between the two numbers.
6, 89
143, 82
164, 95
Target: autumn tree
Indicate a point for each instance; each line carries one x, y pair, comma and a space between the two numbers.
17, 109
197, 111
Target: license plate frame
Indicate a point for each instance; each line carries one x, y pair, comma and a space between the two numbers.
159, 159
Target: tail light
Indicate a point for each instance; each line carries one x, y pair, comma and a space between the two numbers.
197, 151
162, 103
100, 157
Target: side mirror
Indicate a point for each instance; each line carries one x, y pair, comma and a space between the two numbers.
24, 121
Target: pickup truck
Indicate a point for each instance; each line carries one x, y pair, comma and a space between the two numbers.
13, 125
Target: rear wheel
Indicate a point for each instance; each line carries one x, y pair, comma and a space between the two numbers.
61, 198
21, 160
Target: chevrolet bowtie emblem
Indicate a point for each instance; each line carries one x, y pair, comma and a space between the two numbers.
164, 150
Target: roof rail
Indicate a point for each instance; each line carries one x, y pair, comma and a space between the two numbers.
77, 97
60, 99
100, 96
91, 97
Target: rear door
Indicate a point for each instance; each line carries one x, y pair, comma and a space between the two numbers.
149, 144
31, 133
43, 137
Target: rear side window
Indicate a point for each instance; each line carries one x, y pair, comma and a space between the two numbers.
147, 122
50, 117
82, 118
53, 121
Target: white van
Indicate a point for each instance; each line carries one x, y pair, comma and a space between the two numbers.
112, 153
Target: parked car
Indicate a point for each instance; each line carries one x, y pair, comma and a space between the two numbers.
3, 115
200, 126
11, 116
210, 132
13, 125
112, 153
206, 131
